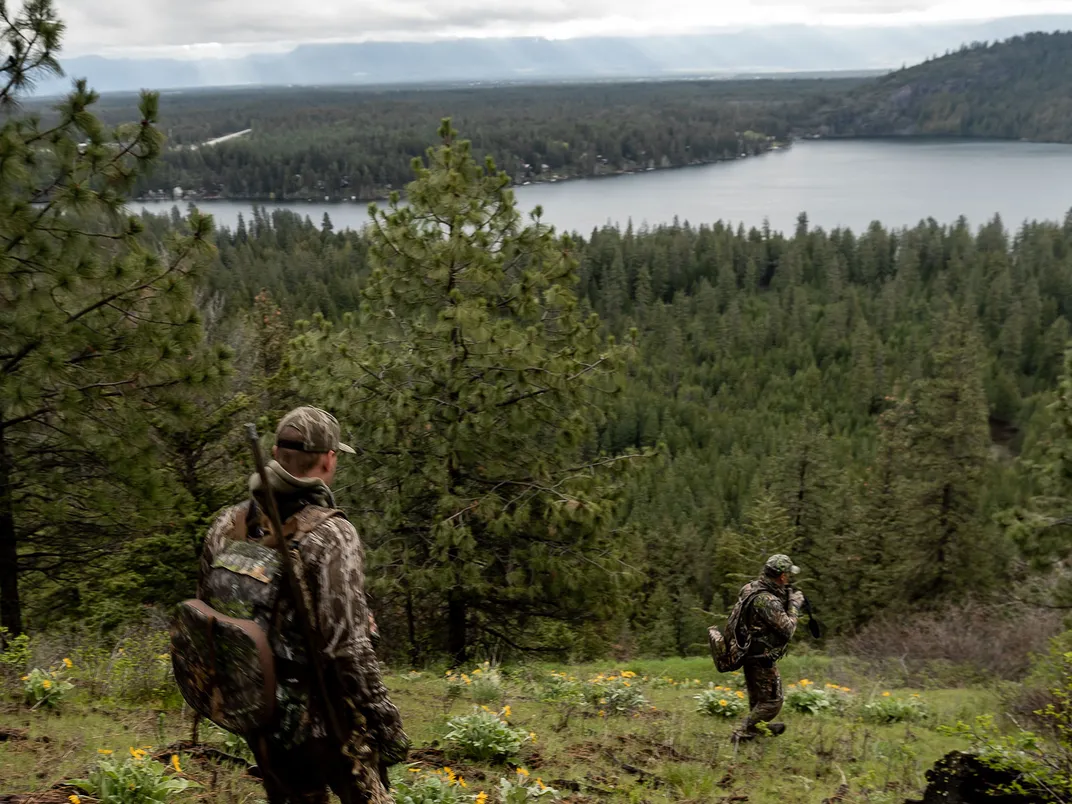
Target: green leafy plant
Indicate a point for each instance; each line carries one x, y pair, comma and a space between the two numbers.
134, 780
15, 657
808, 699
484, 736
614, 695
889, 708
522, 791
45, 688
487, 686
433, 787
721, 702
559, 688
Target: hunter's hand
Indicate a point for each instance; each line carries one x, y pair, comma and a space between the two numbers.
796, 600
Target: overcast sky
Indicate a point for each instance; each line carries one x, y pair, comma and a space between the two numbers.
203, 28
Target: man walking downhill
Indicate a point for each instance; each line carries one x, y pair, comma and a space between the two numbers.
768, 620
298, 757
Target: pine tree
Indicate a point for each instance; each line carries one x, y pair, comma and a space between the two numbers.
948, 440
469, 386
95, 316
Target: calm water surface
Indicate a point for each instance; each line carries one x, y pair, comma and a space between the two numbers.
837, 183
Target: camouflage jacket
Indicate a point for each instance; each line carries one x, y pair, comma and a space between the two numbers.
769, 621
330, 563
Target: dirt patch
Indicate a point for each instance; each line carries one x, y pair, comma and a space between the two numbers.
652, 750
428, 756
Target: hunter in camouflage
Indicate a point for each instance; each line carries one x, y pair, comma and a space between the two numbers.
769, 619
298, 757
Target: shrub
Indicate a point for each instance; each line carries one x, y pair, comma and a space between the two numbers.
559, 688
889, 708
994, 640
613, 695
1042, 762
484, 736
15, 656
721, 702
522, 791
808, 699
135, 780
46, 688
437, 787
484, 684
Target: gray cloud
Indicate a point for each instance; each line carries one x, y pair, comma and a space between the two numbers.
168, 26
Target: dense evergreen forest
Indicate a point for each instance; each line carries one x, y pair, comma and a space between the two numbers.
1017, 89
872, 402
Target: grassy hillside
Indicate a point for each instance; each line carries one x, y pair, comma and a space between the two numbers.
647, 743
1017, 89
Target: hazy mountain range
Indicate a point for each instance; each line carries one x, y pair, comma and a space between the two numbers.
770, 49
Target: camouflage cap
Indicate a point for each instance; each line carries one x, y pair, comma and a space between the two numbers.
320, 431
777, 564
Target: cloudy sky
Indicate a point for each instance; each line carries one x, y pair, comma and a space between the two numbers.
201, 28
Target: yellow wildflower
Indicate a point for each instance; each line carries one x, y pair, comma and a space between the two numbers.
541, 784
24, 678
885, 695
723, 702
506, 711
175, 763
696, 681
74, 799
104, 751
68, 663
602, 713
414, 770
740, 694
628, 674
449, 772
46, 684
523, 772
481, 798
915, 694
461, 782
137, 753
627, 683
532, 736
804, 682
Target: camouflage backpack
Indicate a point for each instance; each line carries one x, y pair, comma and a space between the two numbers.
224, 646
727, 651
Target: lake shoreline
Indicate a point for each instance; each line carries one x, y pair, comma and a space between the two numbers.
840, 183
779, 147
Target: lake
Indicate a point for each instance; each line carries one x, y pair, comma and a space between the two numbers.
838, 183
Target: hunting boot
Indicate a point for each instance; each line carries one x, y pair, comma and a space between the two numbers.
776, 728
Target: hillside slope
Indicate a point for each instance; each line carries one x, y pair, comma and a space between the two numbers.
1017, 89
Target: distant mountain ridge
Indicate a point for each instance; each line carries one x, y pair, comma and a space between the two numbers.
768, 49
1017, 89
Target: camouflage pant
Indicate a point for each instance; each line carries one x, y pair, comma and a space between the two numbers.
764, 695
303, 775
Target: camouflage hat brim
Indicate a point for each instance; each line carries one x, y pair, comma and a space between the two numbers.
351, 451
794, 570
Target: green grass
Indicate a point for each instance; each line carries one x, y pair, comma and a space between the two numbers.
669, 754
